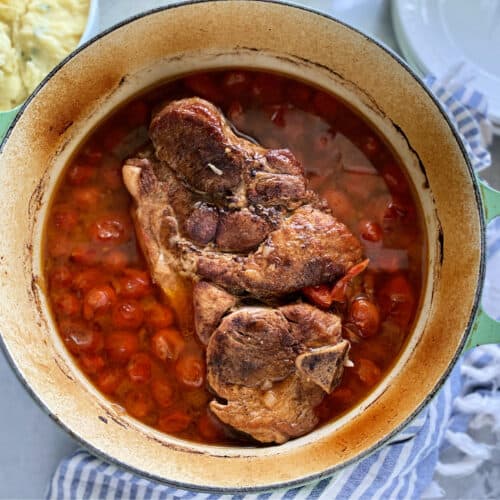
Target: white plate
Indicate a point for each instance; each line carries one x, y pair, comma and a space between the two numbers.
435, 35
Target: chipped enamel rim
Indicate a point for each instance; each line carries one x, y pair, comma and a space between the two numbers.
248, 469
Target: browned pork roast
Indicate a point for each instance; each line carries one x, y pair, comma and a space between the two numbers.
231, 233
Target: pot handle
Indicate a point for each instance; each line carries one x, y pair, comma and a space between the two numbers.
6, 118
486, 330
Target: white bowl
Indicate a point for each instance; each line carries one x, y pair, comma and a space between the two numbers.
91, 29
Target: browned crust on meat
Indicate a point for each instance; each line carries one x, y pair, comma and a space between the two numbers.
210, 303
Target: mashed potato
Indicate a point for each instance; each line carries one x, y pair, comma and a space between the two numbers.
34, 36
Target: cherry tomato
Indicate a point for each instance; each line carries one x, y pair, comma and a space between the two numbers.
159, 316
115, 260
120, 346
92, 155
267, 89
139, 368
339, 290
60, 276
319, 295
111, 228
80, 174
67, 304
277, 114
85, 254
370, 230
87, 197
109, 379
92, 363
205, 86
394, 178
368, 372
397, 300
176, 421
163, 393
138, 403
98, 299
60, 248
127, 314
86, 279
190, 371
365, 315
395, 213
65, 218
135, 284
167, 344
80, 337
236, 83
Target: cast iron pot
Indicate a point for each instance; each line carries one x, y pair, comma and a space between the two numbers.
255, 34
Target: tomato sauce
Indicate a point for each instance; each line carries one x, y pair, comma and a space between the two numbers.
116, 322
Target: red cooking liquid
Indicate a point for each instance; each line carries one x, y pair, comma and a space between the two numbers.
116, 322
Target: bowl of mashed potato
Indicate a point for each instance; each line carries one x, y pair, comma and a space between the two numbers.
35, 35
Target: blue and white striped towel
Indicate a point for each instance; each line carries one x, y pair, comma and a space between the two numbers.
402, 469
467, 109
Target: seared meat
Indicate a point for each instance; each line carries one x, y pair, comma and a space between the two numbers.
240, 231
223, 221
226, 197
210, 304
286, 410
191, 137
253, 347
309, 247
264, 362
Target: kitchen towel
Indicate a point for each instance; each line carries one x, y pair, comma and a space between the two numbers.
403, 468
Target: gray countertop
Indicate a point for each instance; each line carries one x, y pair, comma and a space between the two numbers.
31, 444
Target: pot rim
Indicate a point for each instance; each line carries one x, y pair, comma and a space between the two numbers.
475, 307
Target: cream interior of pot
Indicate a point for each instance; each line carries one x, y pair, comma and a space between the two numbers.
254, 35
